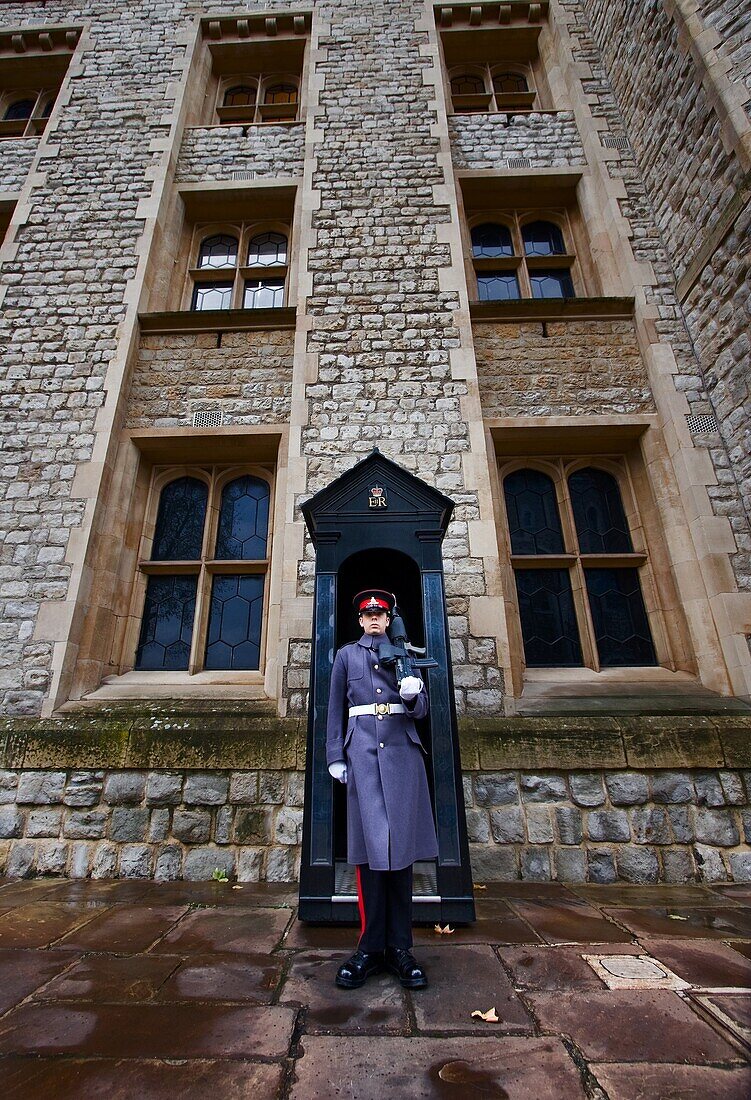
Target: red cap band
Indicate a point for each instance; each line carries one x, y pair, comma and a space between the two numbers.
373, 604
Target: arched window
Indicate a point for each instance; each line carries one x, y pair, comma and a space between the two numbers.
516, 258
469, 92
280, 93
213, 585
236, 288
616, 603
546, 605
509, 83
489, 88
20, 109
25, 114
467, 84
542, 239
491, 243
606, 625
267, 250
265, 97
242, 95
490, 240
218, 251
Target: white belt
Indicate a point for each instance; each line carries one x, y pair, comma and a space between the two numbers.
377, 708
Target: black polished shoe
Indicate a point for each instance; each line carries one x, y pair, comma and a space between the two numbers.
405, 966
356, 971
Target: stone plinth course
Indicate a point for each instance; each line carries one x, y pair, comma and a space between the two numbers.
201, 988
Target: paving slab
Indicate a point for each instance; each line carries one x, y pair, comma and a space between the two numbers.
716, 923
703, 963
22, 891
111, 891
736, 1006
672, 1082
508, 1068
462, 980
125, 930
734, 891
107, 979
625, 1025
252, 978
496, 923
22, 972
110, 1079
244, 895
40, 923
205, 931
379, 1007
637, 896
147, 1031
549, 968
742, 948
569, 922
524, 890
322, 937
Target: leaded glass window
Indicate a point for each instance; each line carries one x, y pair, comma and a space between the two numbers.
491, 239
497, 286
205, 576
542, 239
220, 278
578, 576
267, 250
551, 283
515, 259
220, 250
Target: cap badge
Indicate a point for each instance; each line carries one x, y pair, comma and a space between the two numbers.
377, 498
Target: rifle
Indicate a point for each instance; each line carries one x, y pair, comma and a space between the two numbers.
399, 651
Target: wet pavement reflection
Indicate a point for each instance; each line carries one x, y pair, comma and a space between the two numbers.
149, 990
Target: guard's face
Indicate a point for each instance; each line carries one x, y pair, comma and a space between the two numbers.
374, 622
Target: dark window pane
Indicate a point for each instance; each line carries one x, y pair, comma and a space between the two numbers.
48, 108
490, 240
21, 109
212, 296
242, 96
546, 609
619, 617
218, 251
534, 523
264, 294
497, 286
267, 250
167, 626
542, 239
509, 82
234, 639
179, 523
243, 520
552, 283
598, 513
467, 85
281, 93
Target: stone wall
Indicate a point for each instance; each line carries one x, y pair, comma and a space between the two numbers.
16, 155
561, 368
246, 374
218, 152
732, 21
548, 139
576, 826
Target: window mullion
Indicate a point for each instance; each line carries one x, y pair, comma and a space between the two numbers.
198, 641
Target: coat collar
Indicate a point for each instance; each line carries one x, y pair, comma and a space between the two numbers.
366, 641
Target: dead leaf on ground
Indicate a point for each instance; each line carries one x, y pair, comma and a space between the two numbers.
237, 887
489, 1017
674, 916
447, 931
479, 886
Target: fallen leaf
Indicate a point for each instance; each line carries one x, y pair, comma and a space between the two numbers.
479, 886
489, 1017
237, 887
447, 931
674, 916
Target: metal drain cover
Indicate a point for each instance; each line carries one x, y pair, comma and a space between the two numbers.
634, 972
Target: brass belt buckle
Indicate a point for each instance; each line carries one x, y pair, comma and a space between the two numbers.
382, 708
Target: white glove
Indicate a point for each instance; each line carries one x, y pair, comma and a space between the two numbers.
338, 771
410, 687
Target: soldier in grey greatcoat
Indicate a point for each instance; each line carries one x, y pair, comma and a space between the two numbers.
373, 747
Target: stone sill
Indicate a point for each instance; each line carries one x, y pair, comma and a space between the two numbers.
248, 735
184, 322
553, 309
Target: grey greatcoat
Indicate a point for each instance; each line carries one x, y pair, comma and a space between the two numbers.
389, 816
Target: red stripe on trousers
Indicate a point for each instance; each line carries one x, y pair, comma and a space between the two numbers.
360, 902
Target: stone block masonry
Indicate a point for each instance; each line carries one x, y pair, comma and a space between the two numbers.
16, 162
691, 825
548, 140
218, 152
246, 374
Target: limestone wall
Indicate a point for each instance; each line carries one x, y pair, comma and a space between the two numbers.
547, 139
562, 368
246, 374
220, 152
731, 19
16, 155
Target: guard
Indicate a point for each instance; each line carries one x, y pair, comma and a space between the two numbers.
372, 746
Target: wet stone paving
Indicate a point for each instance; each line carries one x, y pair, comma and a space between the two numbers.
143, 989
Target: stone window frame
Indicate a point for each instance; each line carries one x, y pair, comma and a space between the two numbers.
559, 468
36, 123
215, 476
259, 113
490, 101
244, 231
521, 264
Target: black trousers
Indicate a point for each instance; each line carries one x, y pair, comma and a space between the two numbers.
385, 899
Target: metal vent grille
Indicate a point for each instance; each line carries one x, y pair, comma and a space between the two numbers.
213, 418
519, 162
243, 174
701, 423
615, 141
